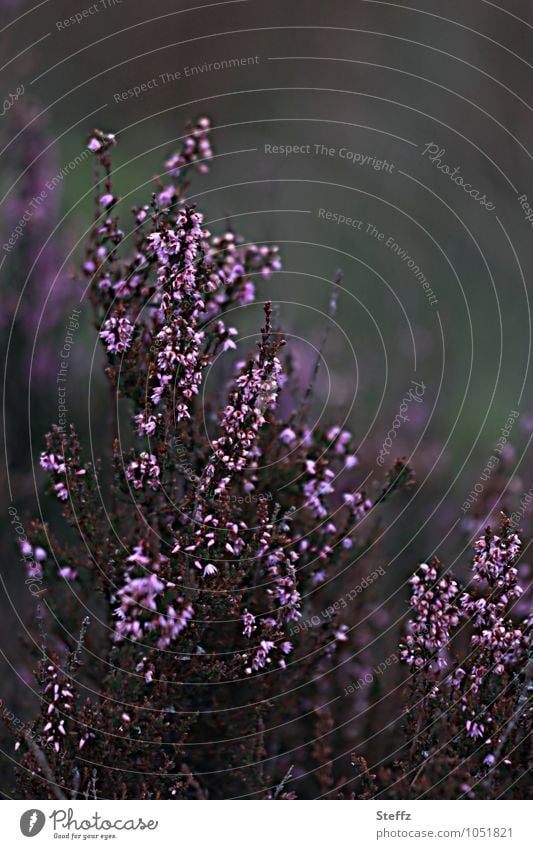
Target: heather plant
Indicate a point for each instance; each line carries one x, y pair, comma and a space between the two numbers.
472, 667
467, 713
190, 636
196, 555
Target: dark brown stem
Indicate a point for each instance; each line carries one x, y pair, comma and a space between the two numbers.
40, 757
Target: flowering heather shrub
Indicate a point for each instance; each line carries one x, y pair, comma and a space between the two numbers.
195, 554
472, 703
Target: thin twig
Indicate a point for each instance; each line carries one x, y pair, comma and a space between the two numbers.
40, 757
192, 782
76, 778
114, 435
521, 705
332, 310
75, 659
286, 778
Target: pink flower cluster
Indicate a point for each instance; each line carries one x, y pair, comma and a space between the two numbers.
186, 280
234, 263
196, 150
144, 472
61, 705
54, 462
117, 334
497, 644
262, 657
281, 568
435, 603
138, 614
255, 390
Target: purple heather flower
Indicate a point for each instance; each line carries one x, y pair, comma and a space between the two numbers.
52, 462
61, 491
434, 601
196, 150
138, 616
107, 200
146, 423
144, 471
117, 334
138, 556
474, 729
249, 623
287, 435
